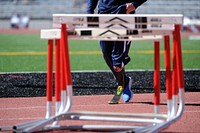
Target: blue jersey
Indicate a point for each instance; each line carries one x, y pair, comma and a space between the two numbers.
112, 6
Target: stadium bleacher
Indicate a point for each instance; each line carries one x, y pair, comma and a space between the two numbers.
40, 11
43, 9
189, 8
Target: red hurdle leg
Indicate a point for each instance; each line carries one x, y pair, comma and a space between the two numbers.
180, 73
66, 78
174, 77
49, 78
179, 66
57, 76
66, 59
178, 76
168, 72
156, 76
67, 70
62, 75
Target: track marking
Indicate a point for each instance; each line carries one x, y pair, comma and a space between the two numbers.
91, 71
22, 53
43, 107
25, 118
75, 106
91, 52
38, 118
22, 108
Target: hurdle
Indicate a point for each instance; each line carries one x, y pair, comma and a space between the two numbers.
137, 27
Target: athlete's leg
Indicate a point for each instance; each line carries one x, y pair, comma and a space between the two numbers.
108, 50
115, 54
106, 47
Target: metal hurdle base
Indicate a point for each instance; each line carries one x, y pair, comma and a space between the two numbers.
149, 122
94, 128
6, 128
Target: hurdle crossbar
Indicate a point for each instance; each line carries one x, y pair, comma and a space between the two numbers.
152, 27
102, 34
111, 21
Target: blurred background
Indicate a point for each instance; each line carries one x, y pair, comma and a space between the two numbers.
37, 14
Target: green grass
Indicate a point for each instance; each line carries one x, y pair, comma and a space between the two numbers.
84, 55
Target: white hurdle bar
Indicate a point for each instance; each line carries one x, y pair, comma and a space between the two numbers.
119, 21
112, 27
102, 34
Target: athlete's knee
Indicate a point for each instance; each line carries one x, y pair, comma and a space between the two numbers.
117, 69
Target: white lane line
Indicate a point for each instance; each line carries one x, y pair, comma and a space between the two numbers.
33, 118
100, 105
20, 108
26, 118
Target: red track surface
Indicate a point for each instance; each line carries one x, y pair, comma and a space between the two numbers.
18, 110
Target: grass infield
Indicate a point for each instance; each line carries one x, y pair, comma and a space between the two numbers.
27, 53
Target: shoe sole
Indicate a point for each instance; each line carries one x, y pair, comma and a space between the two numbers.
112, 102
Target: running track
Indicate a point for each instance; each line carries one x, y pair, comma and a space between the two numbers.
18, 110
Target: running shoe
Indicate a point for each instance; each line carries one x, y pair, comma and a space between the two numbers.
116, 98
127, 93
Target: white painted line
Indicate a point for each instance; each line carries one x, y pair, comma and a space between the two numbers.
128, 70
35, 118
26, 118
22, 108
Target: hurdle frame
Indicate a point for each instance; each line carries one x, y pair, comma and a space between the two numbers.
156, 121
